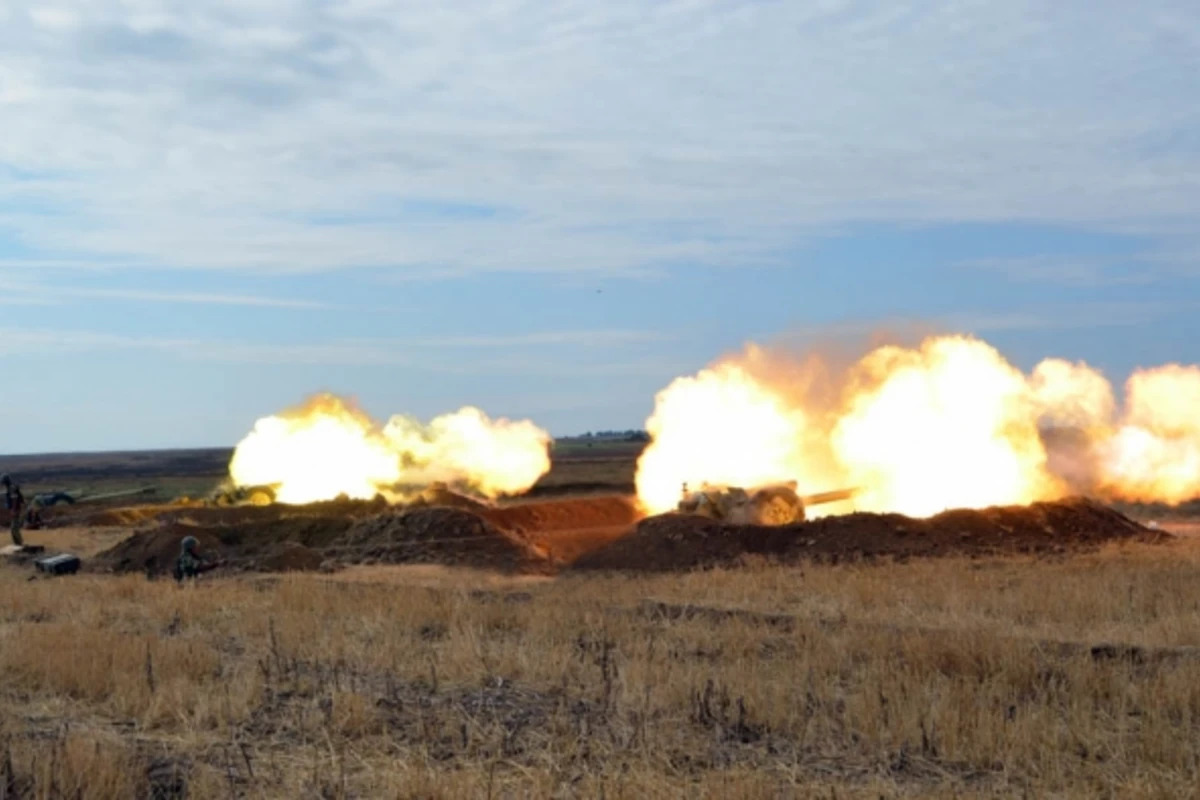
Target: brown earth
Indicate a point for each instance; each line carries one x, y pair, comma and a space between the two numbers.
293, 557
574, 514
682, 542
571, 513
564, 547
154, 551
262, 546
594, 533
112, 517
115, 516
310, 541
437, 535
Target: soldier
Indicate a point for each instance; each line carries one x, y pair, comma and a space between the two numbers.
14, 501
190, 563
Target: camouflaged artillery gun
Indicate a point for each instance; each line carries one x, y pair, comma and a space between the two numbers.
227, 494
43, 500
29, 517
773, 504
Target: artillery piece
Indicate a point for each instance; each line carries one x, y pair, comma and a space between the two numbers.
774, 504
43, 500
228, 494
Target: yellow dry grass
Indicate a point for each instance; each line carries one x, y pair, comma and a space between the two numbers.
942, 678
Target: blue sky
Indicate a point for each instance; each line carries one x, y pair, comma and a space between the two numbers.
550, 210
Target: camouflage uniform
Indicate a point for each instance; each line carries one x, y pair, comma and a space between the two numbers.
189, 562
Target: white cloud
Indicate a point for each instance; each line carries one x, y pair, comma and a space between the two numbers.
28, 342
199, 298
613, 136
53, 18
527, 360
18, 292
187, 298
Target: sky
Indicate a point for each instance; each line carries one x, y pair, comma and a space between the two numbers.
550, 209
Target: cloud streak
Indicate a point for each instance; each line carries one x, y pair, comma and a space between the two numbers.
48, 294
617, 136
198, 298
1077, 272
528, 354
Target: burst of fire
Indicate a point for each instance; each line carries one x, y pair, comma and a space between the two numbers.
1155, 454
947, 424
327, 447
720, 427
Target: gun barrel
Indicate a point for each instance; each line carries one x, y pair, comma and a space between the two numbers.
828, 497
111, 495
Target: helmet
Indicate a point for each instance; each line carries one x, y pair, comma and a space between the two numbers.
189, 543
5, 480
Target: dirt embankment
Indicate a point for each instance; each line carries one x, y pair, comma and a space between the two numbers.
681, 542
115, 516
437, 535
428, 535
577, 514
269, 545
111, 517
600, 533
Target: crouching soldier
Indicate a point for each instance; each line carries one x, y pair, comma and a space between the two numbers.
190, 562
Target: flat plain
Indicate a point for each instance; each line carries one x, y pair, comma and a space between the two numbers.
1064, 674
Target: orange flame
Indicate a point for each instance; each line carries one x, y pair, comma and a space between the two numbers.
327, 447
721, 427
1155, 454
947, 424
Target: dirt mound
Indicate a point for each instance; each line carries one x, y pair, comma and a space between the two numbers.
581, 487
154, 551
116, 517
433, 535
441, 495
195, 512
437, 535
267, 545
682, 542
521, 517
240, 515
564, 515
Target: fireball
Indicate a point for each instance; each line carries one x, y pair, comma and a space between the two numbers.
495, 457
949, 423
721, 427
318, 451
326, 448
1155, 453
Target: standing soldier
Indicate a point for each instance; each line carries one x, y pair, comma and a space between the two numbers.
14, 501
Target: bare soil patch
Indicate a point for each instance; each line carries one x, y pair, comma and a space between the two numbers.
580, 513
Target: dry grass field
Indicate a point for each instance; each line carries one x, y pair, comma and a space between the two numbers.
946, 678
1072, 676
